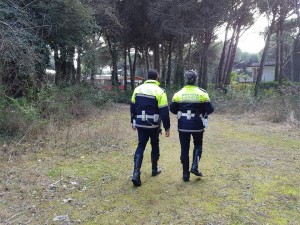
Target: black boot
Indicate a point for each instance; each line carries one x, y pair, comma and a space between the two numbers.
196, 160
136, 180
185, 168
155, 169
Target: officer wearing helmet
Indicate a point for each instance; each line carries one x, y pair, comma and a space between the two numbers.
149, 107
192, 106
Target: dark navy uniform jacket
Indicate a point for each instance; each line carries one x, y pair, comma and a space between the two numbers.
149, 106
190, 104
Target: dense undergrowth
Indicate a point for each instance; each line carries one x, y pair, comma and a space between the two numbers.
275, 104
25, 118
20, 117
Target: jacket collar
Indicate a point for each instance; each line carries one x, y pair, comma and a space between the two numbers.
152, 82
190, 86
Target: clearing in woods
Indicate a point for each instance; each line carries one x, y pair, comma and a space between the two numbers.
82, 175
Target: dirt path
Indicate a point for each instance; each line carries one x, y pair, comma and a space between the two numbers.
82, 175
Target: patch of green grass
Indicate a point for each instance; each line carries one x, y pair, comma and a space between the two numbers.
55, 172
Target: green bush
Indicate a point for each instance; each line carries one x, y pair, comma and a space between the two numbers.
52, 104
17, 115
233, 77
116, 95
62, 104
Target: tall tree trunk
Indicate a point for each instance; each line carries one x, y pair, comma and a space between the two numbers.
114, 73
156, 56
219, 76
200, 71
265, 51
131, 70
134, 61
189, 54
204, 73
168, 79
114, 58
293, 63
207, 41
125, 68
93, 70
277, 55
70, 75
281, 53
225, 79
163, 62
178, 79
233, 53
57, 63
147, 58
63, 59
295, 77
78, 70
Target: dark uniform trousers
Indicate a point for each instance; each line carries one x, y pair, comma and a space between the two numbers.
185, 138
143, 136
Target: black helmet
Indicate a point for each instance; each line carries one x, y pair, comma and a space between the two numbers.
190, 77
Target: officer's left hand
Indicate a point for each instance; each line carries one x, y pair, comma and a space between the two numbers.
133, 127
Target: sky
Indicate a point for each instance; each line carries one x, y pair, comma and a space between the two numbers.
251, 41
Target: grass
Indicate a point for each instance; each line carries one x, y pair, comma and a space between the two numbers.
83, 172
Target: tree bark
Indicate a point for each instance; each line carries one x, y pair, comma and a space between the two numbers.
57, 63
265, 51
134, 62
233, 52
280, 77
147, 58
114, 58
219, 77
78, 70
131, 70
125, 68
277, 55
163, 64
189, 54
156, 56
168, 79
178, 79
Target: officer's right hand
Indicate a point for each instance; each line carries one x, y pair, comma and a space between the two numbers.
167, 133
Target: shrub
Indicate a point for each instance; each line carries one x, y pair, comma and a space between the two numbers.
17, 115
273, 103
63, 104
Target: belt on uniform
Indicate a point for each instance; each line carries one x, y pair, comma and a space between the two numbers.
188, 114
145, 116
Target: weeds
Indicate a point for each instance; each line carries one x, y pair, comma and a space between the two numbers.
53, 107
275, 105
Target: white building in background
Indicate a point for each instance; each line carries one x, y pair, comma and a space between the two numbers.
104, 78
268, 72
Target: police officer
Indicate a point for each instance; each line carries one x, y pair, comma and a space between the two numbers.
192, 105
149, 106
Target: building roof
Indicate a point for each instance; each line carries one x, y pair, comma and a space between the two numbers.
108, 77
257, 64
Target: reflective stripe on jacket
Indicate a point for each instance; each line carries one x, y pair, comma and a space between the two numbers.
192, 102
149, 99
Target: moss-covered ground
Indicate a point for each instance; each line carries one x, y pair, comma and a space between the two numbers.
82, 175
